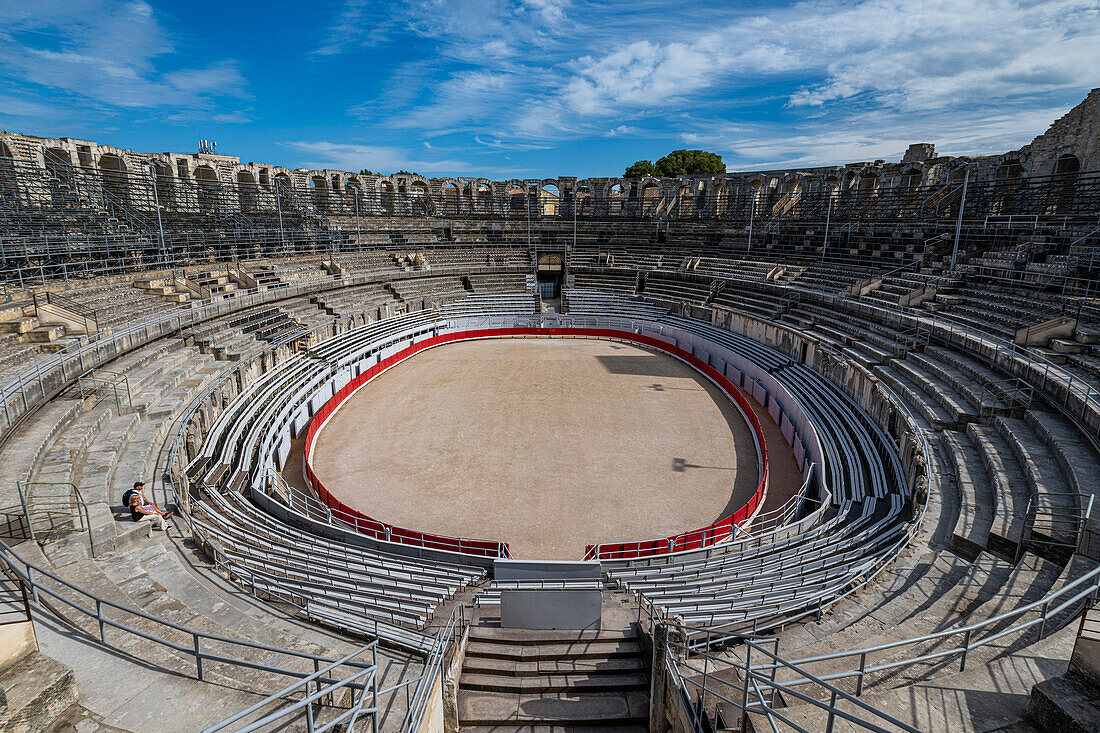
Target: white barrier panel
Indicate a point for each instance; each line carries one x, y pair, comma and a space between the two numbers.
506, 569
551, 609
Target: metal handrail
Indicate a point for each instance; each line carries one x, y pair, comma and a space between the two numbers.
27, 574
307, 701
751, 678
70, 504
1049, 606
454, 629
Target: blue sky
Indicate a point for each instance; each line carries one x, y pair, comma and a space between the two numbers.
533, 88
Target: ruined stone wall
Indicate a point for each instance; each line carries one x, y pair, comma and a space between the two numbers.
1076, 135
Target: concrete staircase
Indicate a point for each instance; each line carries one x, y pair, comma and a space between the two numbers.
528, 679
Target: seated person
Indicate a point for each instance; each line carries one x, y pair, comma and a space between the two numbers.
143, 510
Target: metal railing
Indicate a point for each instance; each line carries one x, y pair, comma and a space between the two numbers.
451, 634
313, 690
54, 507
754, 693
961, 640
116, 384
76, 311
197, 646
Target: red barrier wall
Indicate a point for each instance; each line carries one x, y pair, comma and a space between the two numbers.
703, 537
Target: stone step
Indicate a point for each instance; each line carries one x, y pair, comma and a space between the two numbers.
596, 709
939, 585
553, 729
1079, 460
44, 334
37, 690
15, 309
915, 395
498, 667
954, 389
577, 650
498, 635
976, 501
19, 324
132, 589
1009, 485
1044, 477
554, 683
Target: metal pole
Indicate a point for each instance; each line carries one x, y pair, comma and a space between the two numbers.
959, 223
160, 222
279, 205
752, 213
358, 236
574, 219
828, 216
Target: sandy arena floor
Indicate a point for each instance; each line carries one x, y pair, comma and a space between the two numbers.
547, 444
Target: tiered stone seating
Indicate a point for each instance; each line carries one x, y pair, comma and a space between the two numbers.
996, 447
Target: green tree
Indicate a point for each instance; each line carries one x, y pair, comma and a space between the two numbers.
640, 168
689, 162
366, 172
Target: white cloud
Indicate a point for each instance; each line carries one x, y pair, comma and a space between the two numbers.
623, 131
552, 71
108, 53
873, 136
353, 157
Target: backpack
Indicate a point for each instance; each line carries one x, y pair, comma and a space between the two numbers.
126, 496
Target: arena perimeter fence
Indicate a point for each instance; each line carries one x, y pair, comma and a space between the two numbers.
719, 531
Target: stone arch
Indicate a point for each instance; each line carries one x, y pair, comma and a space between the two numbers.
684, 200
792, 194
318, 190
651, 196
421, 200
112, 171
1008, 177
387, 194
616, 197
162, 182
850, 179
584, 198
208, 186
517, 197
247, 188
1067, 164
57, 162
911, 179
1009, 169
484, 196
868, 182
7, 172
451, 197
756, 195
721, 199
700, 198
832, 190
550, 199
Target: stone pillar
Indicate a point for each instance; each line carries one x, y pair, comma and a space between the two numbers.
658, 677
